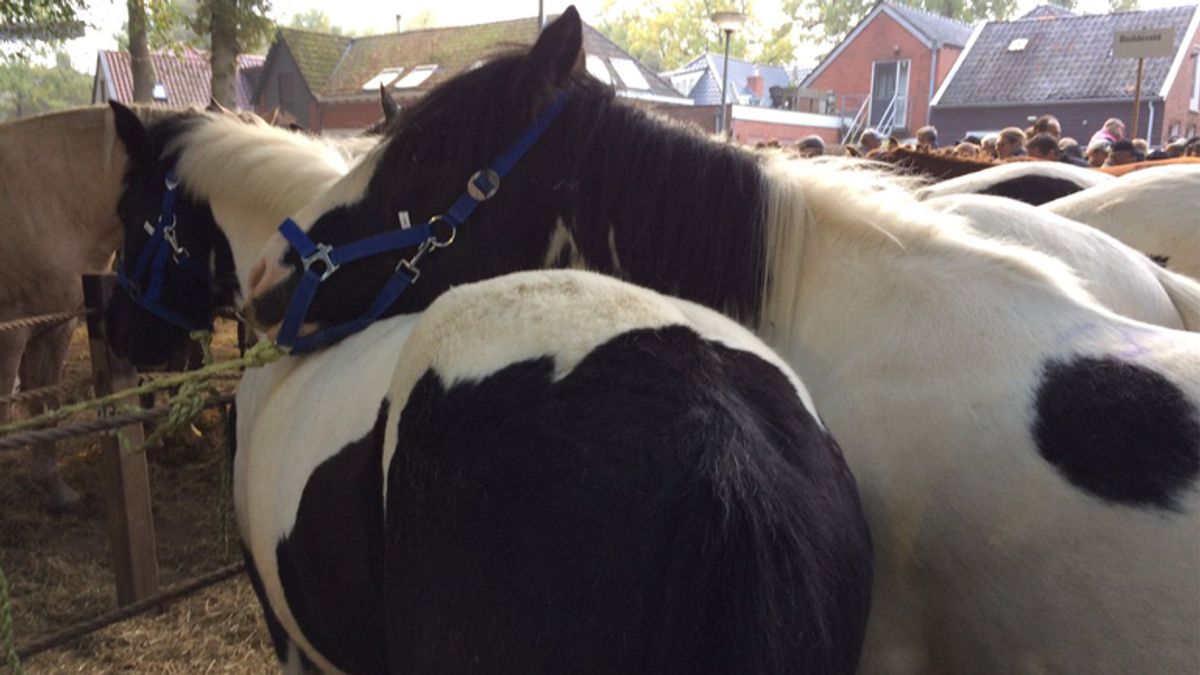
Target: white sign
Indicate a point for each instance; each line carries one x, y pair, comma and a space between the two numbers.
1139, 44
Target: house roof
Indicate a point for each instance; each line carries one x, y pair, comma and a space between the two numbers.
931, 29
1047, 12
336, 67
186, 76
1063, 58
707, 89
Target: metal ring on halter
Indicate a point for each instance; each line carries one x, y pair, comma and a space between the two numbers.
482, 193
434, 240
172, 181
177, 251
321, 255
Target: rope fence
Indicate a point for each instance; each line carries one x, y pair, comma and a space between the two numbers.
42, 320
76, 631
72, 388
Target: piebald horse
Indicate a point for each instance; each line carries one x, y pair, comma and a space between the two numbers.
1028, 459
62, 174
1030, 182
1155, 210
475, 487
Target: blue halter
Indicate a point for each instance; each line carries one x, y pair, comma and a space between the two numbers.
438, 232
151, 265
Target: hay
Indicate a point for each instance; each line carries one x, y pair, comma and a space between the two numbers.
58, 566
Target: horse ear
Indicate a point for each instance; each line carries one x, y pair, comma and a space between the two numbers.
131, 132
390, 108
274, 116
557, 53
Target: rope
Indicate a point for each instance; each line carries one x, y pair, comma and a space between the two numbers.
42, 320
6, 629
85, 428
69, 388
83, 628
259, 355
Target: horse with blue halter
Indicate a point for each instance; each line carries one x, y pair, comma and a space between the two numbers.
1028, 459
545, 472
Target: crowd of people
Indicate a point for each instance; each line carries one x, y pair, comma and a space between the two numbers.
1109, 146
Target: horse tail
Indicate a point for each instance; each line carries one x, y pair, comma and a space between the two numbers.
771, 566
1184, 293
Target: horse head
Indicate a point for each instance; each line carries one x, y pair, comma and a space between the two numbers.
434, 147
171, 264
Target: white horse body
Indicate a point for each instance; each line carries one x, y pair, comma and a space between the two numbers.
924, 346
1118, 277
1155, 210
980, 181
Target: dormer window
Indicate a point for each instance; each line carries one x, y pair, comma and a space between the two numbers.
628, 71
160, 92
383, 78
1018, 45
416, 77
597, 69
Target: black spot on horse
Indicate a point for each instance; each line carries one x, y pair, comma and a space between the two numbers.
1035, 190
1160, 260
1118, 431
331, 563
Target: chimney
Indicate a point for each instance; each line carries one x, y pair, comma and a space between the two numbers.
755, 84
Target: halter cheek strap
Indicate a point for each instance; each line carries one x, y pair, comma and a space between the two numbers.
321, 260
150, 269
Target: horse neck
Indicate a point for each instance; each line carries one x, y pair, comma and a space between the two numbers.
662, 206
66, 169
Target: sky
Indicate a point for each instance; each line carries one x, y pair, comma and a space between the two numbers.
107, 16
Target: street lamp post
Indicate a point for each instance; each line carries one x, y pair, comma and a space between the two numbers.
729, 23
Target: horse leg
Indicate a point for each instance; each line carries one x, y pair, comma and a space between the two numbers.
12, 343
41, 366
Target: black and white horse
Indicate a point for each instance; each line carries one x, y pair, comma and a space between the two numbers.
1031, 182
1028, 459
545, 472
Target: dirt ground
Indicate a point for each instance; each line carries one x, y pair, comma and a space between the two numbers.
58, 565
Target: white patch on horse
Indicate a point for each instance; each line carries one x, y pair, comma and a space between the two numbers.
292, 416
562, 241
1155, 210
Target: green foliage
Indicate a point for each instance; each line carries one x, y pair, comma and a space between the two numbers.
31, 20
1065, 4
28, 89
1123, 5
666, 37
828, 21
175, 24
248, 17
315, 20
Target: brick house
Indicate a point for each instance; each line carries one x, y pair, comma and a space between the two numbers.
330, 83
183, 79
1059, 63
888, 67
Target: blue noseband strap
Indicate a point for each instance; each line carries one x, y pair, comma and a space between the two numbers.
320, 261
144, 283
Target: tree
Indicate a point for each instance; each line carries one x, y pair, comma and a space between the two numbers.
667, 37
828, 21
1065, 4
31, 20
27, 89
1123, 5
139, 53
233, 23
315, 20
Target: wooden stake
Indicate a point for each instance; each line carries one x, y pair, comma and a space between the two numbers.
125, 475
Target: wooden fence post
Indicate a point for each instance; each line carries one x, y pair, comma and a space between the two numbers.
125, 475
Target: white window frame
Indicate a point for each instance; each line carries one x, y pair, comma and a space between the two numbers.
1194, 103
416, 77
383, 78
596, 68
903, 121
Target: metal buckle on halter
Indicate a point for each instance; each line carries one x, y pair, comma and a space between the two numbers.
171, 184
177, 251
321, 254
484, 192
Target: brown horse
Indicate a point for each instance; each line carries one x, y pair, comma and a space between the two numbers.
61, 177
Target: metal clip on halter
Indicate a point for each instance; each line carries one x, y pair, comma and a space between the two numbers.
321, 255
434, 242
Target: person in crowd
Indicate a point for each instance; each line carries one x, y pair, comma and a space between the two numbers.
1044, 147
1121, 153
1047, 124
989, 145
1071, 152
1011, 143
1192, 147
968, 151
1112, 131
1175, 147
811, 146
870, 140
1097, 153
927, 138
1141, 147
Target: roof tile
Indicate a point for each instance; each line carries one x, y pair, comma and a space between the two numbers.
186, 76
